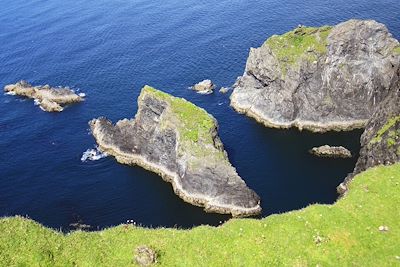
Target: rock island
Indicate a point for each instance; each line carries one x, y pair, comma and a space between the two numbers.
179, 141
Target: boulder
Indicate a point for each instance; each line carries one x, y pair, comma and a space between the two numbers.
224, 90
204, 87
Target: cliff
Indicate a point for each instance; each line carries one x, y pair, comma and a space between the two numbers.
178, 140
380, 142
49, 98
319, 79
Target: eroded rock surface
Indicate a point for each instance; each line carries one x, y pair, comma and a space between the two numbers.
380, 142
320, 79
49, 98
179, 141
327, 151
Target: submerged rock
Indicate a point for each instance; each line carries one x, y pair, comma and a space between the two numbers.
48, 98
331, 152
204, 87
179, 141
319, 79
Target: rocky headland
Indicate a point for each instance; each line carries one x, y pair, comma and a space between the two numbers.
327, 151
179, 141
319, 79
49, 98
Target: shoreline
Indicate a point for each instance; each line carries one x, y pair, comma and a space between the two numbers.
299, 124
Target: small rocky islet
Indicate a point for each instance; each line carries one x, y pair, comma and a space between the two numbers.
204, 87
327, 151
50, 99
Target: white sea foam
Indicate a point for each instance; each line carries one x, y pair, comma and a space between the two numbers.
93, 154
10, 93
82, 94
36, 102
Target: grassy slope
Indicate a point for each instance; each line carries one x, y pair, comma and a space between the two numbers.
343, 234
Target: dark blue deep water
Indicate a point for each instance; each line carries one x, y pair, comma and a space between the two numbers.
109, 50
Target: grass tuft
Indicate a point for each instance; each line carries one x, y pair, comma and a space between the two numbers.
302, 43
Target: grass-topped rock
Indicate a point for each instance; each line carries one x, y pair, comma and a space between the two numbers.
303, 43
320, 79
179, 141
50, 99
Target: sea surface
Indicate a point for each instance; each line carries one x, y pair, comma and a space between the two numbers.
109, 50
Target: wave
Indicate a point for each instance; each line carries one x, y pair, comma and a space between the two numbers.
93, 155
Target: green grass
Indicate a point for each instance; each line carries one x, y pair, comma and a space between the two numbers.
302, 43
388, 125
195, 122
343, 234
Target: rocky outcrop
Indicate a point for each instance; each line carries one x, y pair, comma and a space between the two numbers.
319, 79
204, 87
179, 141
49, 98
380, 142
327, 151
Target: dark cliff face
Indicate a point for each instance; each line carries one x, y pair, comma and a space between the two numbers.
380, 142
179, 141
320, 79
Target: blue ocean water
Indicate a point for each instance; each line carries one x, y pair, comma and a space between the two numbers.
109, 50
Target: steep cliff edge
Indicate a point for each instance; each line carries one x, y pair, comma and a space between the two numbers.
179, 141
320, 79
380, 142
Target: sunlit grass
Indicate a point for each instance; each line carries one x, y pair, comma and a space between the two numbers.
344, 234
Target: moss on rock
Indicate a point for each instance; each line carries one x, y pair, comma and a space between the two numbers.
302, 43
